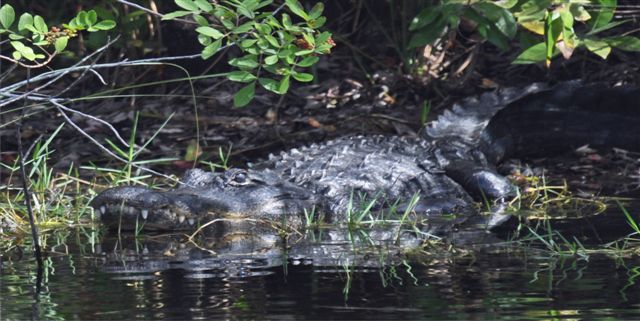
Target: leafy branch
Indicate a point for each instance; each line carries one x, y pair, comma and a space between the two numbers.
274, 47
31, 36
563, 25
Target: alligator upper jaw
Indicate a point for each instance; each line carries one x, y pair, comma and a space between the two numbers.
132, 208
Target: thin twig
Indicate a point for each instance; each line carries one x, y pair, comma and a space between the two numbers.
106, 150
77, 80
27, 197
113, 130
54, 74
154, 13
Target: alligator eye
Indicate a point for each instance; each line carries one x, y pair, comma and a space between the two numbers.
240, 179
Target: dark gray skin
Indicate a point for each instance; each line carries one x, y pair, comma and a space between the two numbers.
321, 181
451, 168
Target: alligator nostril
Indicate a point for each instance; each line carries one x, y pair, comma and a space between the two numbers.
144, 213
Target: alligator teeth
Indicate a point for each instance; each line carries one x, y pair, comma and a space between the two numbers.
103, 209
132, 210
181, 218
144, 213
191, 221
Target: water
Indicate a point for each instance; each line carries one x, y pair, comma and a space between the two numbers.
327, 275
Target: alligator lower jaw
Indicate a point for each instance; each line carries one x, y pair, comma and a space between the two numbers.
123, 216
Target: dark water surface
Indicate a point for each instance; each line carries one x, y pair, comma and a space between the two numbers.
328, 276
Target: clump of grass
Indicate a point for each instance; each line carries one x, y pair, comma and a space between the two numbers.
58, 198
539, 198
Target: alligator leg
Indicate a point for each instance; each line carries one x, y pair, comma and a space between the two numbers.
485, 185
481, 182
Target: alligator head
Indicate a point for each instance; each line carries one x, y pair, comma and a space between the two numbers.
202, 197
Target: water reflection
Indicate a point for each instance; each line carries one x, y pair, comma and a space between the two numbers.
326, 274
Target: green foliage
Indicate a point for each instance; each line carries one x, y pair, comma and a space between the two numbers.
561, 25
274, 47
32, 34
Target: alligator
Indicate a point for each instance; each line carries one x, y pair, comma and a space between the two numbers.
439, 177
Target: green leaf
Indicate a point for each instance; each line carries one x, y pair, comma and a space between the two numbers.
428, 34
26, 52
316, 11
302, 77
578, 12
40, 25
61, 44
204, 40
17, 45
272, 40
202, 21
426, 17
16, 55
7, 16
501, 18
308, 61
507, 4
204, 5
317, 23
244, 95
283, 86
247, 43
26, 20
211, 32
552, 31
187, 4
296, 8
533, 10
92, 17
105, 25
607, 27
487, 28
175, 14
598, 47
241, 76
286, 21
248, 61
242, 10
82, 18
264, 28
309, 39
627, 43
15, 36
269, 84
73, 24
532, 55
271, 60
243, 28
603, 14
273, 22
323, 37
211, 49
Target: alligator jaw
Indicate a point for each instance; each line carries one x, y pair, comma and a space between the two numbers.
130, 208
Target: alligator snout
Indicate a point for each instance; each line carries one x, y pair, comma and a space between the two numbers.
130, 207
